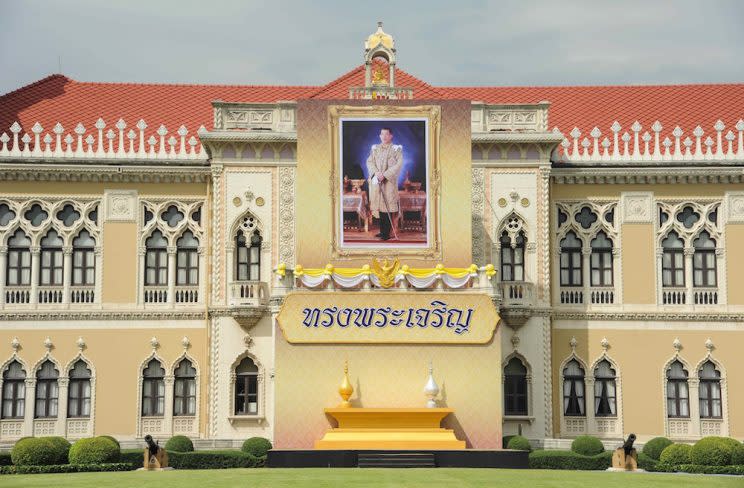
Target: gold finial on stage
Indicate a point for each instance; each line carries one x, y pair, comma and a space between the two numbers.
346, 390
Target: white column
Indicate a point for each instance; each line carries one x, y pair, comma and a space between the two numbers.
98, 260
586, 273
66, 274
202, 273
591, 424
30, 406
693, 394
140, 277
229, 271
689, 251
64, 384
3, 268
35, 250
168, 411
171, 275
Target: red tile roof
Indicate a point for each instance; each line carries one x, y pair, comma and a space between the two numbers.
61, 99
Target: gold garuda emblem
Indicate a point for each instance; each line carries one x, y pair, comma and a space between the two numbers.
385, 271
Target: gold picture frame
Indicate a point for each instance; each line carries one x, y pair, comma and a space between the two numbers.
432, 113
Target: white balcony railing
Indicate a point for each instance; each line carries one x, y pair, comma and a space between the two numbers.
602, 295
17, 295
250, 293
187, 294
82, 294
516, 293
156, 294
705, 296
50, 294
674, 296
571, 296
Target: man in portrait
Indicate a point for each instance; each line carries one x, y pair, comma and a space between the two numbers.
384, 164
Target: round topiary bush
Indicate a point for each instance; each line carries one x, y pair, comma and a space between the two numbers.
39, 451
179, 443
519, 443
94, 450
655, 446
737, 455
112, 438
587, 445
713, 451
258, 446
676, 454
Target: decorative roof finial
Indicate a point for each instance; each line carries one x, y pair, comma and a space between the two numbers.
605, 344
15, 344
80, 343
48, 345
573, 343
154, 343
709, 345
677, 345
185, 342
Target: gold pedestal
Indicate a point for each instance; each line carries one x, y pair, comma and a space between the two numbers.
389, 428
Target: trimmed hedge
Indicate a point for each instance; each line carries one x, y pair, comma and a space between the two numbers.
5, 459
555, 459
587, 445
646, 462
40, 451
737, 455
197, 459
713, 451
675, 454
699, 469
112, 438
655, 446
65, 468
94, 450
257, 446
179, 443
519, 443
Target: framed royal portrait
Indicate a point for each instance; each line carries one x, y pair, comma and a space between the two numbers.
385, 180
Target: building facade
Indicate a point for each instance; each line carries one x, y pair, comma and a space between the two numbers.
159, 243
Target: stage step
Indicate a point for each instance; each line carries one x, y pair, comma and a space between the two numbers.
396, 460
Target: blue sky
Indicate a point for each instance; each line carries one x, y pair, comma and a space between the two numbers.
444, 43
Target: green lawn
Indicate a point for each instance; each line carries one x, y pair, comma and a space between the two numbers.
372, 478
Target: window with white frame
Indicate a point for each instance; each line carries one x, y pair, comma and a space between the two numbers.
246, 387
47, 391
512, 257
678, 393
153, 389
710, 391
51, 269
79, 390
187, 259
18, 271
673, 261
571, 264
605, 390
248, 257
573, 390
14, 391
704, 267
184, 394
83, 260
515, 388
601, 260
156, 260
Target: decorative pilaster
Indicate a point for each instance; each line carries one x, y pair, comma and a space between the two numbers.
66, 274
29, 407
64, 384
168, 381
35, 251
217, 231
3, 266
171, 275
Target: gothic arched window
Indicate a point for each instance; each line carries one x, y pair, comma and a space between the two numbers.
601, 260
571, 265
710, 391
14, 391
51, 265
156, 260
573, 389
184, 395
47, 391
79, 393
704, 261
153, 389
515, 388
512, 258
246, 388
678, 396
187, 259
605, 394
83, 260
19, 260
248, 257
673, 261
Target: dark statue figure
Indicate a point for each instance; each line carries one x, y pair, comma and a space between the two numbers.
628, 446
625, 457
156, 458
152, 445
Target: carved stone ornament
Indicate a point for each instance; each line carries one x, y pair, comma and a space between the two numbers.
15, 344
735, 206
637, 207
677, 344
121, 205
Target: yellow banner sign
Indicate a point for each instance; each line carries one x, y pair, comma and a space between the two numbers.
388, 317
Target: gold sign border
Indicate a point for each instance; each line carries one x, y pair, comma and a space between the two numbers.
430, 112
310, 294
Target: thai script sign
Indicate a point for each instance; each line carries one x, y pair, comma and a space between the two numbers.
387, 317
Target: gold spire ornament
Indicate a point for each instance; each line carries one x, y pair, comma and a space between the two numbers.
345, 390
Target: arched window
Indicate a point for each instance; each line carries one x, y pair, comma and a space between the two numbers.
605, 395
601, 260
571, 265
83, 260
673, 261
248, 256
19, 260
14, 391
79, 393
710, 391
573, 389
678, 398
156, 260
512, 258
47, 391
515, 388
51, 269
704, 261
184, 398
246, 388
187, 259
153, 389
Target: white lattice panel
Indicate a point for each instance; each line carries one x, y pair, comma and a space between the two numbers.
184, 425
10, 429
152, 425
678, 428
575, 426
78, 427
44, 427
710, 427
606, 426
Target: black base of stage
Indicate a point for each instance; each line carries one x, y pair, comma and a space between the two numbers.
467, 458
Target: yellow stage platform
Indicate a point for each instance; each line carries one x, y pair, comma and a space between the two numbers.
389, 428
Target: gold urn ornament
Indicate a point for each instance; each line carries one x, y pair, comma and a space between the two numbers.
345, 390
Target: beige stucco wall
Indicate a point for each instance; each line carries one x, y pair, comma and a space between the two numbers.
735, 263
638, 261
119, 263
